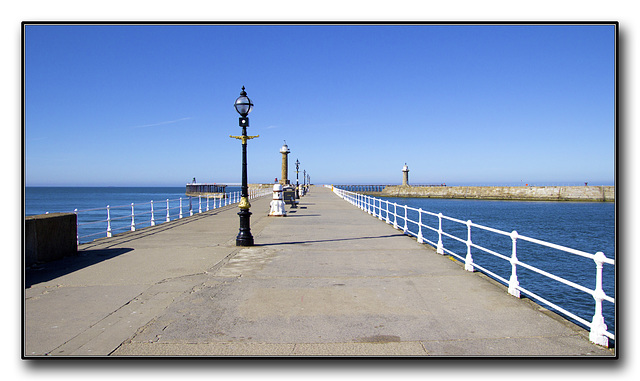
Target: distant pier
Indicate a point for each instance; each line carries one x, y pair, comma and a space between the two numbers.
206, 189
517, 193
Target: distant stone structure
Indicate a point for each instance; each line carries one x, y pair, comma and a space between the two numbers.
284, 178
205, 189
405, 175
534, 193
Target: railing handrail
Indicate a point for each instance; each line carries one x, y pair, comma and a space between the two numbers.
598, 329
159, 207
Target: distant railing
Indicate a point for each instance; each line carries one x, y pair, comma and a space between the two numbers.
361, 187
92, 222
376, 188
391, 213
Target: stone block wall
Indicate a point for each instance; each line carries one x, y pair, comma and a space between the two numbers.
49, 237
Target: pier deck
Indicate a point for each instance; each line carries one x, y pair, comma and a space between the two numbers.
327, 280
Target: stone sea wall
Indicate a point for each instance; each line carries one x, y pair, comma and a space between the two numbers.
527, 193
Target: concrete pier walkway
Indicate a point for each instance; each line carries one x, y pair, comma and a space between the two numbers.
327, 280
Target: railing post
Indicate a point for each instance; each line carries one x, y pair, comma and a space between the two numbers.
199, 204
405, 229
468, 260
598, 326
190, 206
440, 247
133, 223
372, 206
207, 203
109, 234
513, 280
387, 212
168, 218
153, 222
180, 209
420, 237
380, 209
395, 214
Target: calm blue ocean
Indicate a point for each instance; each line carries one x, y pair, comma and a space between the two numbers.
588, 227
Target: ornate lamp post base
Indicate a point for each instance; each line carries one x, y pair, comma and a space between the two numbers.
244, 237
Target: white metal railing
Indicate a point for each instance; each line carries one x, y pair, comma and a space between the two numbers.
129, 217
388, 212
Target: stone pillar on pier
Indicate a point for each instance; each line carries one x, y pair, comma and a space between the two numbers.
405, 175
284, 178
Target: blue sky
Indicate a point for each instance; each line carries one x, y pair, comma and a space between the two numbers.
473, 104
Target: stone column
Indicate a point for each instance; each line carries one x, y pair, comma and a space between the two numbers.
284, 178
405, 175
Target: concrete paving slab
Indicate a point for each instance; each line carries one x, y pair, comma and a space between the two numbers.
540, 347
205, 349
55, 315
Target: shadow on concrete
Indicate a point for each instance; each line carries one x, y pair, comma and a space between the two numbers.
328, 240
45, 272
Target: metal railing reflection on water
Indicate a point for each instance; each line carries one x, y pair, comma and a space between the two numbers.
111, 220
514, 273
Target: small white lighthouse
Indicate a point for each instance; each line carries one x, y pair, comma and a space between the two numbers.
405, 175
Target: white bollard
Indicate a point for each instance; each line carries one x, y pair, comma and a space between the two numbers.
277, 204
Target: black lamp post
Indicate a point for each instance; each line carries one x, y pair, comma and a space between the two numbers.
297, 170
243, 106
